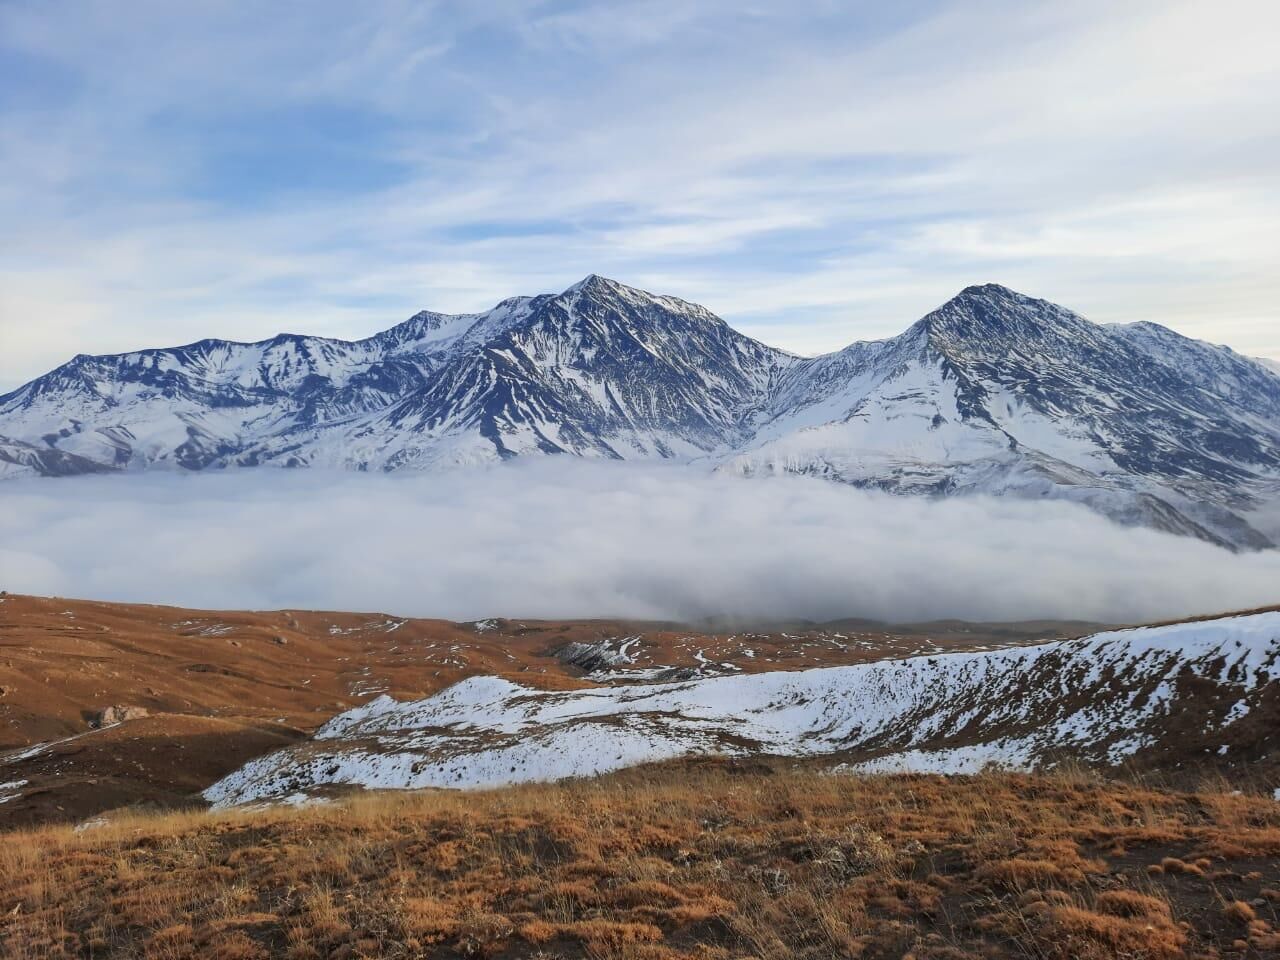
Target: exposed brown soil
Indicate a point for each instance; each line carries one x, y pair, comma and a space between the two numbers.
711, 860
222, 687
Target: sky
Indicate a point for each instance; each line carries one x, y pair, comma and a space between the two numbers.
560, 538
815, 172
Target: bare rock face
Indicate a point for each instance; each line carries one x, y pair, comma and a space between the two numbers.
118, 714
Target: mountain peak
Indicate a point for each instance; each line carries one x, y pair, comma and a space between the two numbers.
988, 292
601, 291
991, 312
989, 288
595, 283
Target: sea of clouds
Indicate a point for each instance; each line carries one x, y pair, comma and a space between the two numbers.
564, 538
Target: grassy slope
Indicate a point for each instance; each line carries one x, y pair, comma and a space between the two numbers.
707, 860
225, 686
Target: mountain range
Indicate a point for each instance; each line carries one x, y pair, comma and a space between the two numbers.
994, 392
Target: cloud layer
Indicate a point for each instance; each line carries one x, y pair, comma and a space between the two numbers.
572, 539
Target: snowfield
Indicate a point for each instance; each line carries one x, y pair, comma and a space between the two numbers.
1103, 699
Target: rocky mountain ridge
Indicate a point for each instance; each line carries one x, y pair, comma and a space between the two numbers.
992, 393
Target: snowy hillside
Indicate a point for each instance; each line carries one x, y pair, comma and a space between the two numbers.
1107, 698
994, 392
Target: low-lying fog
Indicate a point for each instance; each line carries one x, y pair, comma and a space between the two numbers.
567, 538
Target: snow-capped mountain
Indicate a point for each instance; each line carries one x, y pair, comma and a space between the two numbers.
994, 392
1138, 694
600, 370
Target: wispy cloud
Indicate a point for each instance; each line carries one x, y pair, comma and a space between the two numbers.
816, 173
561, 539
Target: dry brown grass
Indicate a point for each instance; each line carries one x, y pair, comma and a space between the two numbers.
674, 861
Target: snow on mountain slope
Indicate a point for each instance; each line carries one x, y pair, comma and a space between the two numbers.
18, 459
994, 392
1106, 698
599, 370
1218, 370
602, 370
211, 401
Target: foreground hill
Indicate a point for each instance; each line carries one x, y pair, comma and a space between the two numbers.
220, 688
726, 850
714, 861
1158, 697
994, 392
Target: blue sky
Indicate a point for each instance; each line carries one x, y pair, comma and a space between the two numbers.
815, 172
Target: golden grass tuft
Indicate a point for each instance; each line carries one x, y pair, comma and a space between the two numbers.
1074, 933
1237, 911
